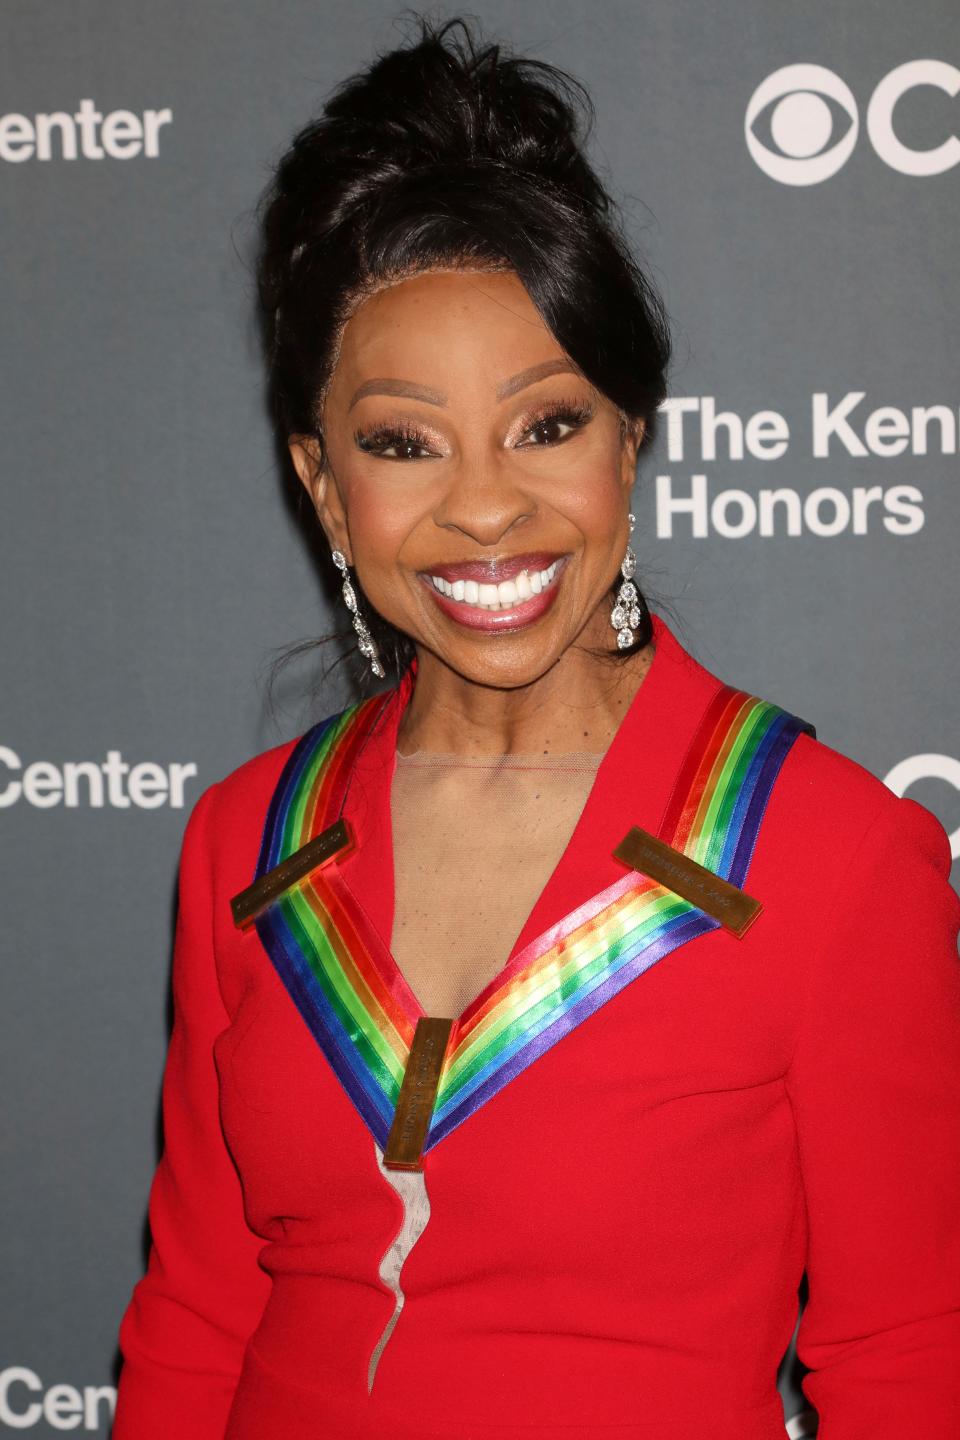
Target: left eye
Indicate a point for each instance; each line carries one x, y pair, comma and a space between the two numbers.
552, 428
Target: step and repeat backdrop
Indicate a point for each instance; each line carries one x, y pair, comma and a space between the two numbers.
789, 175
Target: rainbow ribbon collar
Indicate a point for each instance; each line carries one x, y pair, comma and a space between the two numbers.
349, 990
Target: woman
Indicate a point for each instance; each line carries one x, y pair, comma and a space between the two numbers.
542, 1017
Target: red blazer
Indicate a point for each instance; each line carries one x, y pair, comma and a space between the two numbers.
617, 1236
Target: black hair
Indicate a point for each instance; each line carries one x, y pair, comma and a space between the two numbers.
447, 152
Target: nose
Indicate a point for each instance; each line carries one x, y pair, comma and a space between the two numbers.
484, 503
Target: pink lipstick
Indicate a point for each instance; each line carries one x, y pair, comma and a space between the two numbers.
504, 593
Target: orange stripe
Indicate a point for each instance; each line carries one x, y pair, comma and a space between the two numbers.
360, 968
713, 758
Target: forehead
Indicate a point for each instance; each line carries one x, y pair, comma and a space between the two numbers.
444, 328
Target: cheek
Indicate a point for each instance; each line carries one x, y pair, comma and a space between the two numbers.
583, 479
382, 513
592, 497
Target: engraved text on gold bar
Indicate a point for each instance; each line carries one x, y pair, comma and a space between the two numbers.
418, 1093
735, 910
329, 845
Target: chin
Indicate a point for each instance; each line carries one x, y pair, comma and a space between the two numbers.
507, 662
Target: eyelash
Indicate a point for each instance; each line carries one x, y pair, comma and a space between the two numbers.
383, 437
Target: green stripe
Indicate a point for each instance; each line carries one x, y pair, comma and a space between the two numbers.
293, 829
729, 784
755, 731
368, 1038
574, 974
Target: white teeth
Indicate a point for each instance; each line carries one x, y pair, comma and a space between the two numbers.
498, 597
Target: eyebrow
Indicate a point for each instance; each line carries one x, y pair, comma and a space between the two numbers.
412, 391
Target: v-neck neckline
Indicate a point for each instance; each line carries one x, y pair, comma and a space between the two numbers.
693, 761
654, 686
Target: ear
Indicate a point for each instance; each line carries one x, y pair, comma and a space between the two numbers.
318, 480
634, 431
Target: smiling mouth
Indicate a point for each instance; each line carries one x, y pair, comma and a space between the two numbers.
497, 595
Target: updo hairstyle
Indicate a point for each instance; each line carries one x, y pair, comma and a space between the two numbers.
448, 153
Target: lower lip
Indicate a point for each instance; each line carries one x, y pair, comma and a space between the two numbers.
474, 617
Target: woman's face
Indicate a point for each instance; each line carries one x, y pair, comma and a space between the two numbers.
478, 484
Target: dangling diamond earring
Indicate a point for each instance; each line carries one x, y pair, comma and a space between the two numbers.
626, 614
365, 640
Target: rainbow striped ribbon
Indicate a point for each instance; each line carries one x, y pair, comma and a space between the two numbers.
351, 993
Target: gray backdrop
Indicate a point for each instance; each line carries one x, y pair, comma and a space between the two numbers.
803, 226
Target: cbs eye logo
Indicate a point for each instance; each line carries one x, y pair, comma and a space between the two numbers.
802, 122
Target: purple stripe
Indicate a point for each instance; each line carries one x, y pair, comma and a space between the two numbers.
758, 800
739, 821
690, 926
346, 1061
324, 1025
297, 761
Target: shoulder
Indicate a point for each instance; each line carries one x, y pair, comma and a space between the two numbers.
228, 818
824, 802
836, 811
839, 853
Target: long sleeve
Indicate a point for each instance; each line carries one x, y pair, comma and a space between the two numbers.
186, 1326
875, 1088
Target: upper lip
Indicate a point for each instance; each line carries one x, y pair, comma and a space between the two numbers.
501, 567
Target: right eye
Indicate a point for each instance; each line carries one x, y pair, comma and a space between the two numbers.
393, 442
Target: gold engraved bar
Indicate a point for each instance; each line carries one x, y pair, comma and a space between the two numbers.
735, 910
330, 844
418, 1093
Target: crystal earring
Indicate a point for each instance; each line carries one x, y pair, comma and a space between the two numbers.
365, 640
626, 614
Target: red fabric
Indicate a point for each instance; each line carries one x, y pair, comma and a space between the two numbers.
617, 1237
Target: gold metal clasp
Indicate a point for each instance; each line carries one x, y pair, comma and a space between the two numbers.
418, 1094
642, 851
331, 844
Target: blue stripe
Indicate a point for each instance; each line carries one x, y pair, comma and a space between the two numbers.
740, 820
298, 762
326, 1027
289, 944
620, 952
785, 734
530, 1048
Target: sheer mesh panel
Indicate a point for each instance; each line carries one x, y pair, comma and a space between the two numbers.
475, 842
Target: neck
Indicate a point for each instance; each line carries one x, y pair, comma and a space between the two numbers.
577, 705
